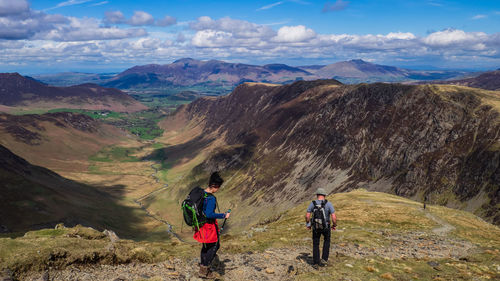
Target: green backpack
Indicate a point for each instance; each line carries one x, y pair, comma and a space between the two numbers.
192, 208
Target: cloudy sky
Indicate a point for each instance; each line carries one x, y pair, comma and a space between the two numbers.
41, 36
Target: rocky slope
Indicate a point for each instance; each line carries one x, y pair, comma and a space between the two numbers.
278, 144
17, 91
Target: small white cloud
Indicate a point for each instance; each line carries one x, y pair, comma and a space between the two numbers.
293, 34
454, 37
114, 17
211, 38
478, 17
166, 21
141, 18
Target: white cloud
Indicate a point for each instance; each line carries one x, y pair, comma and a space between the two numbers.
478, 17
401, 35
36, 37
166, 21
454, 38
238, 28
89, 29
114, 17
141, 18
212, 38
292, 34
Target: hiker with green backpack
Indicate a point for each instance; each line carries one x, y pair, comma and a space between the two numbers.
321, 218
199, 212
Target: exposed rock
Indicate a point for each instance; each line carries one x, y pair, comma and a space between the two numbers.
60, 226
269, 270
111, 235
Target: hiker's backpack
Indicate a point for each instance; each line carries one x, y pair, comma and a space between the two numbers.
192, 208
319, 218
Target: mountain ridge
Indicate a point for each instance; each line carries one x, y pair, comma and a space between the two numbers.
19, 91
408, 140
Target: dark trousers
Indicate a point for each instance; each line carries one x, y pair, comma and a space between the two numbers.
326, 244
208, 251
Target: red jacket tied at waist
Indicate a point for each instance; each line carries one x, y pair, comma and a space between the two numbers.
207, 233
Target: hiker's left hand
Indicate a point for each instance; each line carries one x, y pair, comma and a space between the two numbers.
227, 215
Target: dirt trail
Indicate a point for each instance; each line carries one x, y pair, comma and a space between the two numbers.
444, 227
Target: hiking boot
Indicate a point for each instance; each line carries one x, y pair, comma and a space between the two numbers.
206, 273
316, 266
216, 263
322, 262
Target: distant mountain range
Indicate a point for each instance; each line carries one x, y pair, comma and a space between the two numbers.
219, 77
488, 81
190, 72
17, 91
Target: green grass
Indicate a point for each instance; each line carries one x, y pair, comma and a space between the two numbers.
142, 124
96, 114
115, 153
58, 248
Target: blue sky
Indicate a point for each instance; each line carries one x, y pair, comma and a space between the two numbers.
110, 35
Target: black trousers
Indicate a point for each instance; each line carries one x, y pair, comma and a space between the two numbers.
208, 251
326, 244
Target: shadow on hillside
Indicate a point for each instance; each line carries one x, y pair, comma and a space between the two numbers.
173, 154
44, 204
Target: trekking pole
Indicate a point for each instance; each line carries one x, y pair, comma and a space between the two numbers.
222, 227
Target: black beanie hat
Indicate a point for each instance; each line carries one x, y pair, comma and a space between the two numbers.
215, 179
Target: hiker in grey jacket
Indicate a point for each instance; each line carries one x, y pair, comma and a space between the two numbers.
323, 221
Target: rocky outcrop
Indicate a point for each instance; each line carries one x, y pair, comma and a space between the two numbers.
439, 142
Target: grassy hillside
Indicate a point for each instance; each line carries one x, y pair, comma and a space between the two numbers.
379, 237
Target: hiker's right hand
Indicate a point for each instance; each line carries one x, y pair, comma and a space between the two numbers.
308, 227
227, 215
